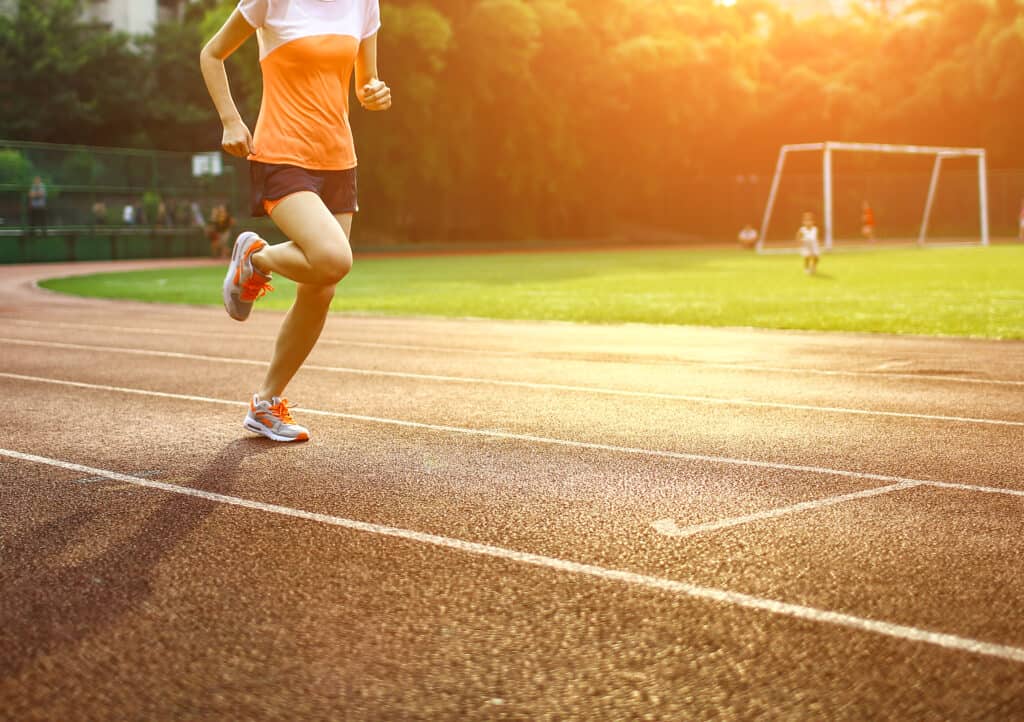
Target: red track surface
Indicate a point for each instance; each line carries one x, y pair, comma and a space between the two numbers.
504, 520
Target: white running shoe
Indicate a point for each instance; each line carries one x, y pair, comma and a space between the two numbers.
244, 283
274, 420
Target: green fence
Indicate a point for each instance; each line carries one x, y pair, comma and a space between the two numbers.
104, 203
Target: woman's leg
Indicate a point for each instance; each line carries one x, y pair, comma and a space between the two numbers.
326, 241
318, 252
297, 337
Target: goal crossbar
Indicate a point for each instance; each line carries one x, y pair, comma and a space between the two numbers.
829, 147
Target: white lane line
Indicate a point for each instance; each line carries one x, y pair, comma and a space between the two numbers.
668, 527
721, 596
253, 337
529, 438
792, 370
97, 479
596, 390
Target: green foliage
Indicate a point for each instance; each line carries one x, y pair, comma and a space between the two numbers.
15, 169
62, 80
81, 167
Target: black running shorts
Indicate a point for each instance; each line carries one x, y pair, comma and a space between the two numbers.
271, 184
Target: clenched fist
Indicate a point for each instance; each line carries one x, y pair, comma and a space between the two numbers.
237, 139
375, 95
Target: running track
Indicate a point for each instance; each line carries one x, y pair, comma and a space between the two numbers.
504, 521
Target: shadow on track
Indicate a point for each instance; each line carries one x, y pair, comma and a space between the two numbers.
48, 602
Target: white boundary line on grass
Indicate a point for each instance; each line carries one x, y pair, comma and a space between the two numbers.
469, 380
497, 352
529, 438
709, 594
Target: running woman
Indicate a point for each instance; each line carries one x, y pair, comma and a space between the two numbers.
302, 166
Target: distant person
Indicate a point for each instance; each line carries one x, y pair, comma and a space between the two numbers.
748, 236
807, 235
219, 231
302, 165
128, 214
37, 205
197, 214
867, 222
99, 213
181, 213
163, 216
1020, 231
172, 212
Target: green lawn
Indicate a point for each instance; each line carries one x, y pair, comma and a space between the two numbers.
940, 291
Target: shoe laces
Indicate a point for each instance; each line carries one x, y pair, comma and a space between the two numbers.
282, 410
256, 287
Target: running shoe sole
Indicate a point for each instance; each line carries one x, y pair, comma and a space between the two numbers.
258, 428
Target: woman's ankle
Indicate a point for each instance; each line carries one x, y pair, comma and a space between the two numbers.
259, 262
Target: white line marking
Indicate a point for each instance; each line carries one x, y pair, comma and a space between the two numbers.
601, 391
668, 527
721, 596
495, 352
256, 337
96, 479
496, 434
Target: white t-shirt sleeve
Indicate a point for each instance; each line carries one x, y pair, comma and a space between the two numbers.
371, 18
254, 11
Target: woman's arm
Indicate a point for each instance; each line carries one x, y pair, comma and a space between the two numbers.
237, 139
373, 93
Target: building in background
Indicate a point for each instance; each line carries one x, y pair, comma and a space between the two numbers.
132, 16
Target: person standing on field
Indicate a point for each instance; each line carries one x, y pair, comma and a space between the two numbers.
1020, 231
219, 230
302, 165
807, 235
867, 219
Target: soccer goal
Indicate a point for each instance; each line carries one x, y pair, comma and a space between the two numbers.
829, 149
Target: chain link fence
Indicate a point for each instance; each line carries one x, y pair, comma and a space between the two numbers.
61, 202
105, 203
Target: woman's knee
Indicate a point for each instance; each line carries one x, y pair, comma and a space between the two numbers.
332, 261
336, 266
321, 295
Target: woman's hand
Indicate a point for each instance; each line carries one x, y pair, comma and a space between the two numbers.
237, 139
375, 95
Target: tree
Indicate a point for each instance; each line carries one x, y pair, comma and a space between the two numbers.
65, 81
525, 118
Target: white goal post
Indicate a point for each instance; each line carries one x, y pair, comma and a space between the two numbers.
830, 147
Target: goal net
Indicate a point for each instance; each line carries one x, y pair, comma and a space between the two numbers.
862, 193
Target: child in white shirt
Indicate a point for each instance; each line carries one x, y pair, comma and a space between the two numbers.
807, 235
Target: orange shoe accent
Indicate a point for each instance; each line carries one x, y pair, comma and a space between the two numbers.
302, 437
256, 287
282, 411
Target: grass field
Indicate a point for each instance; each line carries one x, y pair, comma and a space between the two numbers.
949, 291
